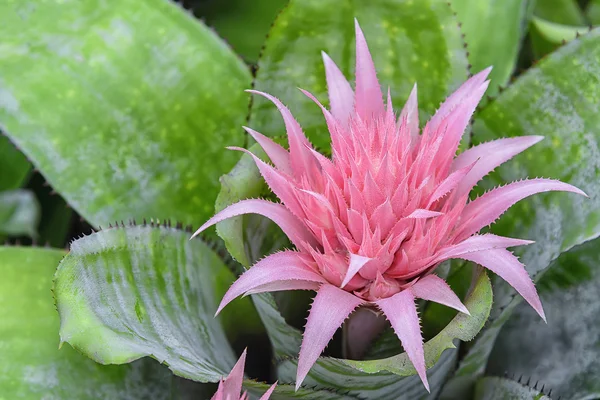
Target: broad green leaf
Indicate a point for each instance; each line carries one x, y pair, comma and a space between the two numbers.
558, 99
19, 213
493, 32
287, 391
494, 388
32, 366
126, 293
557, 33
14, 167
564, 354
564, 12
124, 106
411, 42
243, 24
387, 378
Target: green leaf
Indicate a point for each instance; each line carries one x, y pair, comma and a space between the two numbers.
564, 354
411, 42
284, 392
242, 23
565, 12
14, 167
33, 367
493, 31
381, 379
19, 213
557, 99
557, 33
285, 339
494, 388
128, 108
123, 294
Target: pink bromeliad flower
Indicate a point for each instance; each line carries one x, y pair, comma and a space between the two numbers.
231, 387
371, 224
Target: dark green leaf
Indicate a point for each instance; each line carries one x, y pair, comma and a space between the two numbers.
244, 24
284, 392
19, 213
123, 294
558, 99
592, 12
124, 106
14, 167
411, 42
33, 367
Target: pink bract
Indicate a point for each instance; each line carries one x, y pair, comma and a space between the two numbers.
230, 388
371, 224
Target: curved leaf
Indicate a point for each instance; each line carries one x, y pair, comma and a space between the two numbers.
493, 31
411, 42
494, 388
33, 367
381, 379
564, 12
557, 33
123, 294
557, 99
128, 107
565, 353
592, 12
19, 213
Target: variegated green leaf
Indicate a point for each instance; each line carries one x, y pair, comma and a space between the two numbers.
126, 293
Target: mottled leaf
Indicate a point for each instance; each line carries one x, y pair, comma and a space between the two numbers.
494, 388
33, 367
19, 213
565, 353
411, 42
124, 106
126, 293
493, 31
558, 99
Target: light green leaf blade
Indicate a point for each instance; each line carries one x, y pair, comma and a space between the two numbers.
564, 354
126, 293
565, 12
19, 213
128, 108
559, 100
14, 167
494, 388
493, 31
33, 367
557, 33
411, 42
395, 377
